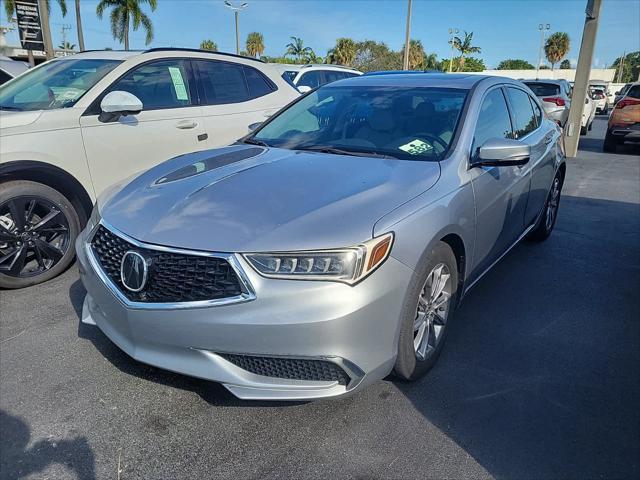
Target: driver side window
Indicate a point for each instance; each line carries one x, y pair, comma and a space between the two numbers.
493, 120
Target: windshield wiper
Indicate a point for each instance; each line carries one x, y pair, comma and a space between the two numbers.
253, 141
340, 151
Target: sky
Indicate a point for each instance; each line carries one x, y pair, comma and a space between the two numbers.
502, 28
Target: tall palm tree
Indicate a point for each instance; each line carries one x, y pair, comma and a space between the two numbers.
10, 7
464, 47
297, 49
556, 47
344, 53
431, 61
208, 45
416, 55
255, 44
79, 26
123, 14
67, 45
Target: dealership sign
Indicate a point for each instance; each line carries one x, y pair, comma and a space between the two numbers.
29, 24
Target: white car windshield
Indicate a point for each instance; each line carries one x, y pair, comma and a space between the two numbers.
58, 84
415, 123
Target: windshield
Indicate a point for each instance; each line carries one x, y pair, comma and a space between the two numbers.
289, 75
58, 84
408, 123
543, 89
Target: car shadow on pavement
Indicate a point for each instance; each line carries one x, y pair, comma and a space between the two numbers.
211, 392
19, 461
539, 377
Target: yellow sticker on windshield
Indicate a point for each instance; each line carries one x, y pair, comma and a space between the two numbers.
178, 83
416, 147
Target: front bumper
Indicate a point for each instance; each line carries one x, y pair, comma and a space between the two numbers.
353, 327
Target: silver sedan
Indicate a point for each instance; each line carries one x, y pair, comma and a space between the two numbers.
332, 245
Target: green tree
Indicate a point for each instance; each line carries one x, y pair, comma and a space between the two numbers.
416, 55
344, 52
209, 45
297, 49
67, 46
565, 64
127, 13
515, 64
431, 62
473, 64
556, 47
630, 67
374, 56
255, 44
464, 46
10, 7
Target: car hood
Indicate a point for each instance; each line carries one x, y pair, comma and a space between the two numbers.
10, 119
247, 198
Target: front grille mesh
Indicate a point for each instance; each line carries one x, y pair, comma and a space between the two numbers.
290, 368
172, 277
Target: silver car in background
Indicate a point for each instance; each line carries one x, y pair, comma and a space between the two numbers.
555, 96
332, 246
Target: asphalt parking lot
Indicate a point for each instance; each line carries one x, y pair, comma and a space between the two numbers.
540, 377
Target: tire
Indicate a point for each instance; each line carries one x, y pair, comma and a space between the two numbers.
590, 126
583, 130
545, 224
610, 144
409, 365
42, 246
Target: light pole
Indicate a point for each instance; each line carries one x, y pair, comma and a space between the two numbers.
407, 39
452, 33
543, 28
236, 9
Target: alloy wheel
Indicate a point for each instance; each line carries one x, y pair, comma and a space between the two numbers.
552, 204
34, 236
432, 311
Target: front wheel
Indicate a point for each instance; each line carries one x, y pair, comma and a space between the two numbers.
429, 305
38, 228
610, 144
550, 213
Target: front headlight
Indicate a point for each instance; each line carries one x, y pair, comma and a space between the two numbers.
348, 265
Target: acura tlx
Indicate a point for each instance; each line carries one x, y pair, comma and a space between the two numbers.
332, 245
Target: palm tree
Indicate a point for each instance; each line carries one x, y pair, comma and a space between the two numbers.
556, 47
344, 53
10, 7
255, 44
67, 46
209, 45
464, 47
79, 26
416, 55
125, 11
431, 61
297, 49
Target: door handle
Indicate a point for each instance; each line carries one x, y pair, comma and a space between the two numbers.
186, 124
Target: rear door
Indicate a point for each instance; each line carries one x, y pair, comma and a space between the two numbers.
233, 96
169, 124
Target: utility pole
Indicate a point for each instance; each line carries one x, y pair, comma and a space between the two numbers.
407, 38
542, 28
236, 10
583, 71
452, 33
65, 29
46, 30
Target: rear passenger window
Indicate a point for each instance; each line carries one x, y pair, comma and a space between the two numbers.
225, 82
525, 120
493, 121
332, 76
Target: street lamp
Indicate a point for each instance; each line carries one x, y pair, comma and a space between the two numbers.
543, 28
236, 9
452, 33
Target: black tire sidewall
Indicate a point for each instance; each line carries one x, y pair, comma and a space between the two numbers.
20, 188
408, 366
541, 232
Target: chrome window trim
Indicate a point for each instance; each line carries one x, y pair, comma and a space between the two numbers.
247, 295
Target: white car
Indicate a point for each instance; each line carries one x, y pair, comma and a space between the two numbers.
308, 77
73, 126
10, 68
588, 113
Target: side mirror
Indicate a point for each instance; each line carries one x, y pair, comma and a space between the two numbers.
618, 92
304, 88
503, 152
254, 126
119, 103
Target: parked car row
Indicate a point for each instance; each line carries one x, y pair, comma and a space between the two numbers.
624, 121
307, 77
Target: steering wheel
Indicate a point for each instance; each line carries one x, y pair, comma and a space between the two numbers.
52, 97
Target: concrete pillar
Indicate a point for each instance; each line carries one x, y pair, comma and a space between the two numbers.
581, 82
46, 29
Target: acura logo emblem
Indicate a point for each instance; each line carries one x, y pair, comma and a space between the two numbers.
133, 271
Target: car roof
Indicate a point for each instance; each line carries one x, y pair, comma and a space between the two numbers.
442, 80
12, 67
102, 55
544, 80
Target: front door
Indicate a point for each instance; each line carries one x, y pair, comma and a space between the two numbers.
170, 123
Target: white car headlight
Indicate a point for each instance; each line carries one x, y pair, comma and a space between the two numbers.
348, 265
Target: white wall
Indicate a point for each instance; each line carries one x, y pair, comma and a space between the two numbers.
603, 74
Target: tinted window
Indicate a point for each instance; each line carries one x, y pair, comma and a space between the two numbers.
4, 77
162, 84
493, 120
332, 76
544, 89
311, 79
634, 92
222, 82
258, 84
289, 75
525, 120
408, 123
536, 111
